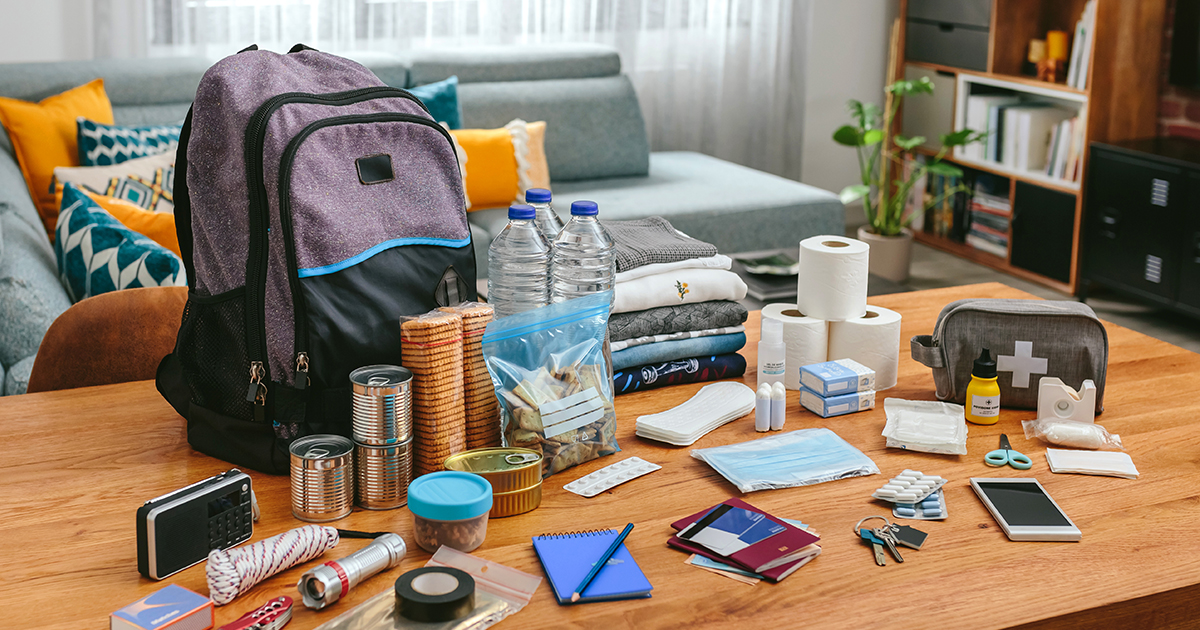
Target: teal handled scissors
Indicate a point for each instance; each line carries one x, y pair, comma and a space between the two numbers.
1006, 455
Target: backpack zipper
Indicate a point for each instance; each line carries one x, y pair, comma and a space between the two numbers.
256, 344
299, 305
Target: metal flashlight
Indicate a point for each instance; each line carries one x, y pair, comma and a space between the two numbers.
329, 582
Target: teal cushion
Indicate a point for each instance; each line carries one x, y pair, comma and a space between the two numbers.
442, 100
97, 254
104, 145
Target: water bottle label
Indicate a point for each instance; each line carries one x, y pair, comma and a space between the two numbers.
773, 368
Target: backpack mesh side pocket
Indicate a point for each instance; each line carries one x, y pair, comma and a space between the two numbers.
212, 350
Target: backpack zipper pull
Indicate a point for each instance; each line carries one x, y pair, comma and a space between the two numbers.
302, 371
257, 392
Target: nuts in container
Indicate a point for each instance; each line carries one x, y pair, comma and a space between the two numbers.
450, 508
552, 379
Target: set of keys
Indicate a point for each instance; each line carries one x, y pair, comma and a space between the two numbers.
890, 536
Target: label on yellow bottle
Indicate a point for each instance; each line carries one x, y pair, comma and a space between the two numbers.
985, 406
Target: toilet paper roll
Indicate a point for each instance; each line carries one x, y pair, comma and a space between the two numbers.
806, 338
832, 283
873, 340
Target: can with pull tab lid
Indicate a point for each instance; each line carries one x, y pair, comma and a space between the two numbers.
382, 404
322, 468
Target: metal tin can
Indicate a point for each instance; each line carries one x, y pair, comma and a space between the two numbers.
322, 469
382, 475
382, 404
515, 475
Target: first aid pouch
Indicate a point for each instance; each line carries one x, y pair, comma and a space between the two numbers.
1029, 338
786, 460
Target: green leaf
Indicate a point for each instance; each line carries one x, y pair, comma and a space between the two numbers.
873, 136
848, 135
944, 169
908, 144
865, 114
922, 86
854, 192
962, 137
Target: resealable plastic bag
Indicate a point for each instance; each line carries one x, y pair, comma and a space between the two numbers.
551, 376
795, 458
925, 425
1072, 433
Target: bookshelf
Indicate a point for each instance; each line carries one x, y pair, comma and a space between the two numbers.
1118, 102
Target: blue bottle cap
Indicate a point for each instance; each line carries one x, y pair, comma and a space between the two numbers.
585, 208
450, 496
537, 195
521, 211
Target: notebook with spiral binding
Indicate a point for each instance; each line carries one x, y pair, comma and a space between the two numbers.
567, 558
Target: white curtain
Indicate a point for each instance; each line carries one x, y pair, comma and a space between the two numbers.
723, 77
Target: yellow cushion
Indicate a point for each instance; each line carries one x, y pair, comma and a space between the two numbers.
44, 136
157, 226
499, 165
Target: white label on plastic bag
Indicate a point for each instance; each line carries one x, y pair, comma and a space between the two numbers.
570, 413
985, 406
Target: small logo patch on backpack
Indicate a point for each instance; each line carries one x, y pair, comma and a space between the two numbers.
375, 169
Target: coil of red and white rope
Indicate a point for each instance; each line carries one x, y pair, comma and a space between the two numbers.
232, 572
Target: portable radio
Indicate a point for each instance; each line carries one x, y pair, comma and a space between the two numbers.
178, 529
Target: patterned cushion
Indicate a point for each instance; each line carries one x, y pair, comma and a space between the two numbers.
147, 182
96, 254
103, 145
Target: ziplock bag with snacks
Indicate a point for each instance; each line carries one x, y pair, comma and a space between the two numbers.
551, 377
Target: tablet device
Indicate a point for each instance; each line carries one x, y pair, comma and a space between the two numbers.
1024, 510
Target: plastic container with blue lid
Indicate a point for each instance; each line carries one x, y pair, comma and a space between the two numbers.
450, 508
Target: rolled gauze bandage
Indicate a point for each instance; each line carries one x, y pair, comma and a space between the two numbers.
231, 572
832, 283
872, 340
805, 339
1071, 433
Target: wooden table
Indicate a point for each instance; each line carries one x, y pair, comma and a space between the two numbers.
78, 464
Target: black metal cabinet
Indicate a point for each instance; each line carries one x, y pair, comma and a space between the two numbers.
1142, 220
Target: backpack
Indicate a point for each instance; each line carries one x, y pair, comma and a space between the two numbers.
314, 205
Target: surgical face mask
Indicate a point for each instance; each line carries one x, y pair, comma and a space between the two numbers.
795, 458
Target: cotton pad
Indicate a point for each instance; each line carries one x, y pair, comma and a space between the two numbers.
711, 407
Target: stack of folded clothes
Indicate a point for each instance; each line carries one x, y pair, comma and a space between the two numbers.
675, 313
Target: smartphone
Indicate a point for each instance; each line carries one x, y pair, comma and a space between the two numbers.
1024, 510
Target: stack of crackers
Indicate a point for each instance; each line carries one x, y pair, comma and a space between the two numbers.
482, 407
431, 346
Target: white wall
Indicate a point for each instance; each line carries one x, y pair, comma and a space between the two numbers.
45, 30
846, 56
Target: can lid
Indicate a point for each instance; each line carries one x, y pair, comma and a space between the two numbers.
449, 496
321, 447
494, 459
380, 376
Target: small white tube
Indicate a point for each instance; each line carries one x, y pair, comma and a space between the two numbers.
778, 406
762, 408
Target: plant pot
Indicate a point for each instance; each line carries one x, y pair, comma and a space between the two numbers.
890, 255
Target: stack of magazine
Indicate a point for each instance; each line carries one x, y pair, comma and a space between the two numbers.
768, 275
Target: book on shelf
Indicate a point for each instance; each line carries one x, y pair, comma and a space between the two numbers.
1081, 47
984, 245
989, 220
1064, 153
978, 118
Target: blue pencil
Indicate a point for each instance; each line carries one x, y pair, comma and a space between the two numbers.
616, 544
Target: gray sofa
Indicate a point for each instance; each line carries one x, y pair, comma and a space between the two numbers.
596, 147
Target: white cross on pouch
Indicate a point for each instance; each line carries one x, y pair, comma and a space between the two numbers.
1022, 364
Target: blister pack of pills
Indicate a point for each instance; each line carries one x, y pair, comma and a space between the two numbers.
909, 487
610, 476
932, 508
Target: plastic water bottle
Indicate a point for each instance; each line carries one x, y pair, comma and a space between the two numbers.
519, 265
547, 219
583, 255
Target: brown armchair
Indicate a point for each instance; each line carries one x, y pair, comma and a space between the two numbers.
110, 338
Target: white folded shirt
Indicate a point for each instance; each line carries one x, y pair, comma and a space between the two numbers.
672, 288
1106, 463
720, 261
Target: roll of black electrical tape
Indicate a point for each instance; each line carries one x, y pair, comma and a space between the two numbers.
435, 594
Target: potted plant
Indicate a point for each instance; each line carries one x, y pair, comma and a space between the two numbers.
889, 173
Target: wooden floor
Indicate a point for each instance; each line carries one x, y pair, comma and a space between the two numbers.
78, 464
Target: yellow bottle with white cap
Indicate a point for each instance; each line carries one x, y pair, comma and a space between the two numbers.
983, 393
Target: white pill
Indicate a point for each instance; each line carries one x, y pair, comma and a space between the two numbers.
885, 493
906, 497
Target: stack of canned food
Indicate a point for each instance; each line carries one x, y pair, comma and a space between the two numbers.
329, 472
